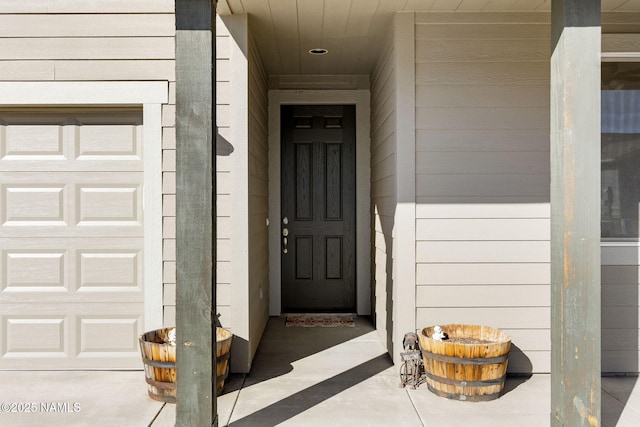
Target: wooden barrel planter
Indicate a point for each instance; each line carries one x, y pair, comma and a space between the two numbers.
470, 365
159, 358
223, 350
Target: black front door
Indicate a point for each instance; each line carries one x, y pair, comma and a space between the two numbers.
318, 208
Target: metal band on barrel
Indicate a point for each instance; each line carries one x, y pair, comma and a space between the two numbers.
464, 360
158, 364
465, 383
172, 365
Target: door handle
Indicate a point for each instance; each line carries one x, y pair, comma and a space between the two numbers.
285, 233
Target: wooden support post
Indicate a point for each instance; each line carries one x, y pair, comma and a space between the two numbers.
195, 213
575, 213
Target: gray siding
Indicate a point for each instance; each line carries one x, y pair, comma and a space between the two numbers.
258, 198
620, 335
383, 187
620, 260
482, 177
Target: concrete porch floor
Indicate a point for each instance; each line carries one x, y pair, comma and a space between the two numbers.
300, 377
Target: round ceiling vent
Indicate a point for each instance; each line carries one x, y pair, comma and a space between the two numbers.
318, 51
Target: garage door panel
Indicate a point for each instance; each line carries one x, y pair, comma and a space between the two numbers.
112, 143
108, 205
34, 204
109, 270
67, 336
101, 335
20, 142
71, 270
21, 330
67, 204
31, 270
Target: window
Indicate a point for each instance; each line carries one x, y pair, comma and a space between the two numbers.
620, 149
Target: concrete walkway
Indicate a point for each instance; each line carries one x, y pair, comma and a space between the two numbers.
300, 377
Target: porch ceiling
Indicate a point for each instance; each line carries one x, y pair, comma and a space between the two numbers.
351, 30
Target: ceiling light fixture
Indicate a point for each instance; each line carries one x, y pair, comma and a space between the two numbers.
318, 51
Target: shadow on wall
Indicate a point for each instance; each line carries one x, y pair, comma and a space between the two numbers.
382, 269
223, 147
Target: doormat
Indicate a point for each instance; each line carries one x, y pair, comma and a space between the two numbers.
319, 320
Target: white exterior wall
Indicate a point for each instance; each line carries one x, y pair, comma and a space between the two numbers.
393, 185
482, 177
242, 193
225, 45
383, 187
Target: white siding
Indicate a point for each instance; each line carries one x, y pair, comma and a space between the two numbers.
224, 187
482, 177
383, 186
83, 6
242, 188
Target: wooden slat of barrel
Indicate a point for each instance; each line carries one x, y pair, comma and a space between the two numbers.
223, 348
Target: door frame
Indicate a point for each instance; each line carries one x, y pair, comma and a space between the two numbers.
361, 99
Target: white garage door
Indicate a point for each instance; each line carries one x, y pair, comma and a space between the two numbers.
71, 238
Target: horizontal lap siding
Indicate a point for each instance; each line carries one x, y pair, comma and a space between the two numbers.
224, 180
83, 48
258, 205
620, 302
108, 25
482, 177
383, 185
87, 46
84, 6
620, 22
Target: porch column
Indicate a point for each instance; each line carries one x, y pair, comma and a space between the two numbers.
195, 213
575, 213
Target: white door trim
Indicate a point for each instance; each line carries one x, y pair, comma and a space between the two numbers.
361, 99
151, 96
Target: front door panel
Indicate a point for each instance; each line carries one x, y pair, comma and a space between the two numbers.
318, 208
